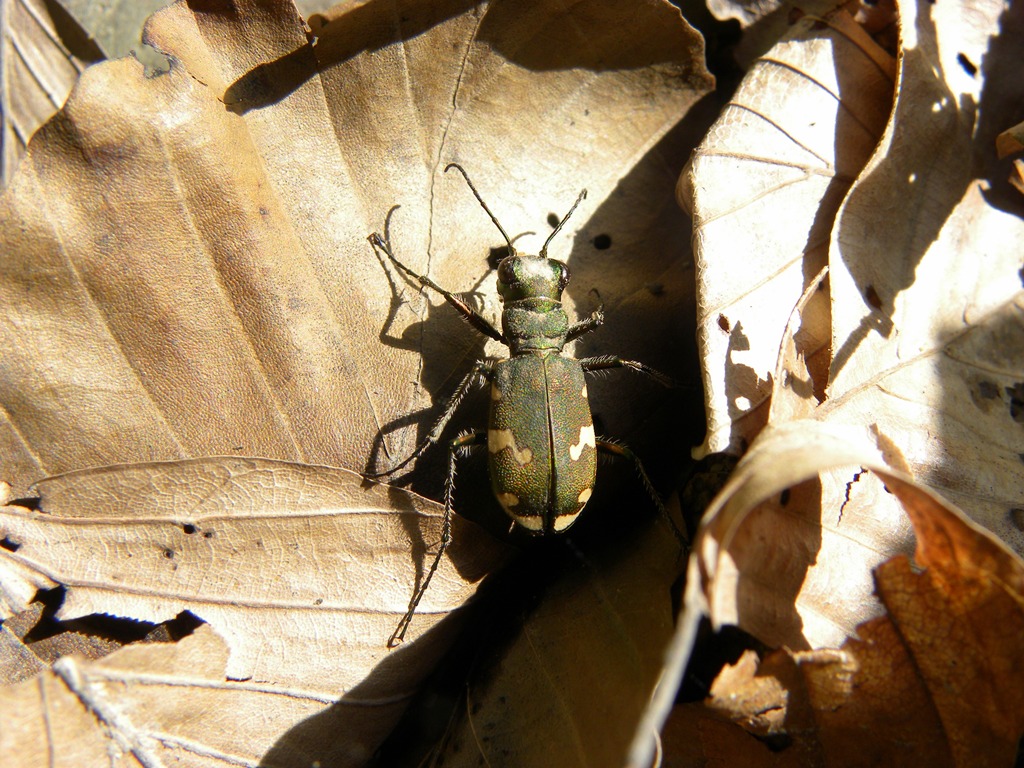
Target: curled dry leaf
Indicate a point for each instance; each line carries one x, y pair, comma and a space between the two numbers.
763, 189
936, 681
43, 51
927, 337
926, 347
813, 586
304, 571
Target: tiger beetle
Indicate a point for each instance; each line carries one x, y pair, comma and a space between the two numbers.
540, 435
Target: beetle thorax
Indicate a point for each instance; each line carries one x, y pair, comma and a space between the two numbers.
531, 288
534, 325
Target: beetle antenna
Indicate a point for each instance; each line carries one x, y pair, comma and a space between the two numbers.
580, 199
483, 205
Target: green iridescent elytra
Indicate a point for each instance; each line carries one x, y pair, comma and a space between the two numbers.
542, 450
540, 439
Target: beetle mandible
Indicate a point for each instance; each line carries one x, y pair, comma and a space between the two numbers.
542, 449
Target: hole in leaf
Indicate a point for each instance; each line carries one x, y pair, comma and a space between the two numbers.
967, 65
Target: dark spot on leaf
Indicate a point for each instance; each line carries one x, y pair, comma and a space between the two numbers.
603, 242
1016, 393
208, 534
987, 390
967, 65
553, 220
872, 298
9, 544
189, 528
723, 323
784, 497
656, 289
1017, 517
169, 554
318, 601
264, 211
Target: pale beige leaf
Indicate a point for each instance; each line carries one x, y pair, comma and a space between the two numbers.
171, 704
927, 307
927, 343
305, 571
277, 557
42, 53
186, 273
763, 189
813, 586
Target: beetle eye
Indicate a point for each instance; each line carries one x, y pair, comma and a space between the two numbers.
563, 278
506, 272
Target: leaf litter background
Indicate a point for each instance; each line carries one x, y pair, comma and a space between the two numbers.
908, 349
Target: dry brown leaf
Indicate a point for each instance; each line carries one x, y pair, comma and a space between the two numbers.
304, 571
186, 272
763, 189
43, 51
579, 669
1010, 141
925, 340
936, 681
188, 279
163, 704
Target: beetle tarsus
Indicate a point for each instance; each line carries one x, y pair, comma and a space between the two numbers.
607, 362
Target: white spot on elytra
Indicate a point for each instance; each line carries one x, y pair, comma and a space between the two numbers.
495, 392
500, 439
508, 500
532, 523
585, 495
564, 521
587, 437
584, 391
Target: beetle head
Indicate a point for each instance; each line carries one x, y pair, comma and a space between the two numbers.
523, 276
528, 277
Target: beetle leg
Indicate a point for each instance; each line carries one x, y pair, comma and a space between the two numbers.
481, 369
469, 314
586, 326
604, 362
618, 449
455, 447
